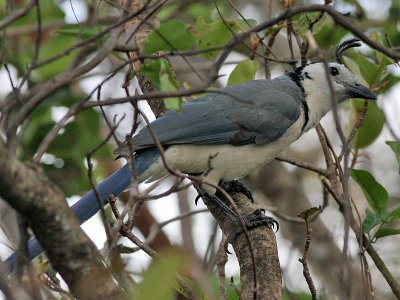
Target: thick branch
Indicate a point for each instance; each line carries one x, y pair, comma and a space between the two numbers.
269, 283
70, 251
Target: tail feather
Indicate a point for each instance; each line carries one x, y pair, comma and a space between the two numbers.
115, 184
88, 205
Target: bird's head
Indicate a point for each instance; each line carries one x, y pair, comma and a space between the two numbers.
318, 79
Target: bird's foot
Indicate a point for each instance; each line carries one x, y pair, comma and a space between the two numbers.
255, 219
236, 186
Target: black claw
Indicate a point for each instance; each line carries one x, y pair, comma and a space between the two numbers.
226, 245
275, 223
255, 219
197, 199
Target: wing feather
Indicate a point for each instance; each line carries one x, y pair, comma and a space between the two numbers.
259, 112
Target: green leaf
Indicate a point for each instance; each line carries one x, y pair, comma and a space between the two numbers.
167, 84
49, 12
309, 212
386, 232
396, 149
395, 214
172, 35
300, 22
159, 72
159, 279
355, 69
374, 192
244, 71
370, 71
231, 293
371, 126
371, 220
151, 69
166, 11
217, 34
197, 9
197, 291
382, 59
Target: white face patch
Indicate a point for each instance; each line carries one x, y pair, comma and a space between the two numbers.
318, 91
315, 78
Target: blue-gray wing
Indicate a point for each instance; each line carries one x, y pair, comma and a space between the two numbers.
258, 111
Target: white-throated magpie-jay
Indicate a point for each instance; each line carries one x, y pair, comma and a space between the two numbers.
246, 125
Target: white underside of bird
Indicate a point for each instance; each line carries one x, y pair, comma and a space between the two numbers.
227, 162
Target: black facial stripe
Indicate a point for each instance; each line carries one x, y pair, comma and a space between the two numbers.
306, 113
297, 78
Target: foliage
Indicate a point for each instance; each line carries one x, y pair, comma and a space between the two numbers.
395, 145
187, 28
159, 71
378, 198
172, 35
216, 34
244, 71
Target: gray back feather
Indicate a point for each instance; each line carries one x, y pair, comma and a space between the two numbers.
258, 111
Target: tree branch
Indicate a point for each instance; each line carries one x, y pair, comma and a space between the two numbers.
17, 14
269, 283
71, 252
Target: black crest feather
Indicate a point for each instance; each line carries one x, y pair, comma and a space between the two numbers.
346, 44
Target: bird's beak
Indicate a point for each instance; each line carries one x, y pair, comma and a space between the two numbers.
356, 90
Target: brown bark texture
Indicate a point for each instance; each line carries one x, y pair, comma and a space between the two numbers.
265, 252
70, 251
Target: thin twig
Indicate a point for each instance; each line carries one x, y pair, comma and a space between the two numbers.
360, 119
93, 185
302, 164
303, 260
18, 14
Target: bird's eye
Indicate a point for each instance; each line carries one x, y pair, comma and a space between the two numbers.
334, 71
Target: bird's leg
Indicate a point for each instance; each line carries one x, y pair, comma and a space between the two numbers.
236, 186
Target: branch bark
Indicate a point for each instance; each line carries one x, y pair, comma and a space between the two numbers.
287, 195
71, 252
152, 22
269, 283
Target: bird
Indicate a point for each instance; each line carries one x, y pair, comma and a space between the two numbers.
237, 129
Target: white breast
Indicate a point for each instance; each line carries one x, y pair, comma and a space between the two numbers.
230, 162
319, 103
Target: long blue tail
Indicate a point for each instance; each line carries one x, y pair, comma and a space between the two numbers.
88, 205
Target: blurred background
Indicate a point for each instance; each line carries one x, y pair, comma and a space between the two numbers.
283, 189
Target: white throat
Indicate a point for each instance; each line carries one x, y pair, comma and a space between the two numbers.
319, 103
